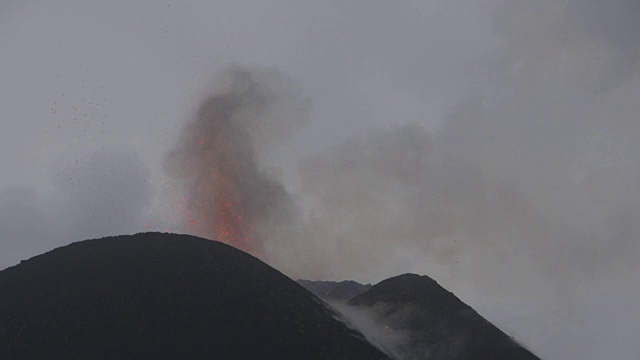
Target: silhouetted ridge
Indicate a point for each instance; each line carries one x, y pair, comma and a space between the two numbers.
335, 290
438, 324
419, 290
156, 296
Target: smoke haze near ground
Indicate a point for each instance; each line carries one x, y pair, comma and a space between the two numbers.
364, 320
523, 199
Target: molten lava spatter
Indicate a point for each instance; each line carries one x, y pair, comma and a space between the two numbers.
219, 204
229, 197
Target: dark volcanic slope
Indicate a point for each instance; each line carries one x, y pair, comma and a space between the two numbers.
438, 324
158, 296
335, 290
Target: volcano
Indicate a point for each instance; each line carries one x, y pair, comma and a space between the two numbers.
164, 296
168, 296
432, 322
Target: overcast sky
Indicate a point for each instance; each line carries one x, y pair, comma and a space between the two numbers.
491, 144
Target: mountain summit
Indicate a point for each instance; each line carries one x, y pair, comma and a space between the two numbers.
435, 323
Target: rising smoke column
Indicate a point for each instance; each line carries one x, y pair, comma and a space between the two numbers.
220, 160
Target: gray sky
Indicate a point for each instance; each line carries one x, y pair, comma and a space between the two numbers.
490, 144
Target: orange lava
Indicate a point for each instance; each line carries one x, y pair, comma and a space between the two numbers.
215, 207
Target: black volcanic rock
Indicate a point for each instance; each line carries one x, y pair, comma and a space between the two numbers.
164, 296
335, 290
435, 323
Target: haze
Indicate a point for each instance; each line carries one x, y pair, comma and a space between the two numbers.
490, 144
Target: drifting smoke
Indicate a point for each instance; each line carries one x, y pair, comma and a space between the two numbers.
528, 195
389, 340
220, 160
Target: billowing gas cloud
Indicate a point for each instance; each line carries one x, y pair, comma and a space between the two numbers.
528, 195
538, 162
219, 161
